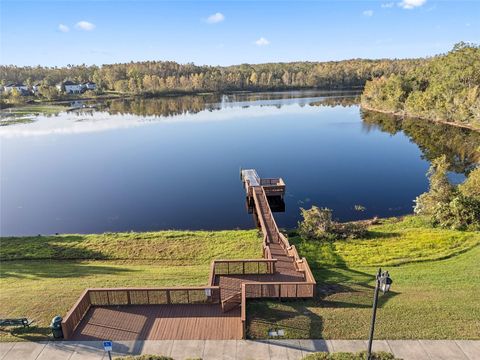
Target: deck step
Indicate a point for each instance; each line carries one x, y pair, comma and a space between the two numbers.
232, 302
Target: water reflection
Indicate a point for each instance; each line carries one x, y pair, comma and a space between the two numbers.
91, 116
461, 146
150, 164
276, 203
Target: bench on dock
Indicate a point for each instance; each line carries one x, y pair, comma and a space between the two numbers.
15, 322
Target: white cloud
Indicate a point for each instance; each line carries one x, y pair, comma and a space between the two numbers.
410, 4
387, 5
262, 42
215, 18
85, 25
368, 13
63, 28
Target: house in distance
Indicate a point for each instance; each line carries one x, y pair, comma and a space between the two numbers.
21, 88
70, 87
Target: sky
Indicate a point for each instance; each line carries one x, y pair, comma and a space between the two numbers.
57, 33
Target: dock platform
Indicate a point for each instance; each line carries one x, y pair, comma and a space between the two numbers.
215, 311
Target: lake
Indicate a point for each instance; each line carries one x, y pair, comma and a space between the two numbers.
173, 163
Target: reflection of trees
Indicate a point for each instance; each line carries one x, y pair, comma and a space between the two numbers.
344, 101
192, 104
164, 106
461, 146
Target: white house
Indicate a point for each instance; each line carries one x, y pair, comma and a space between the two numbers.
70, 87
36, 88
23, 89
89, 85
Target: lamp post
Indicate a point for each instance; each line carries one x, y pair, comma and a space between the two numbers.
383, 282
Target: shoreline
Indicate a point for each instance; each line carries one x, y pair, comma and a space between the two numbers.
175, 94
403, 114
369, 222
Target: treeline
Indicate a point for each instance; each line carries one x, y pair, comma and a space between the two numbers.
170, 77
446, 88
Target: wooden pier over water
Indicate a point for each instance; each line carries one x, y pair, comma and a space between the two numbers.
216, 311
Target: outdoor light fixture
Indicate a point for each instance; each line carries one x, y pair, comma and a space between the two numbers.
383, 282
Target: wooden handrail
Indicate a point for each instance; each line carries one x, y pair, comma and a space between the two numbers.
211, 277
75, 314
91, 297
264, 266
155, 288
244, 260
211, 293
243, 312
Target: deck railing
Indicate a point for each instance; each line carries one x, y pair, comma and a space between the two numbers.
136, 296
243, 267
211, 293
76, 314
278, 290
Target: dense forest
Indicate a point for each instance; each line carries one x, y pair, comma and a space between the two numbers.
446, 88
157, 77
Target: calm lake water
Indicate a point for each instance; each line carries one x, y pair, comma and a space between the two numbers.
174, 163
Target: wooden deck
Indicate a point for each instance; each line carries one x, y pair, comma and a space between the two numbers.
216, 311
159, 322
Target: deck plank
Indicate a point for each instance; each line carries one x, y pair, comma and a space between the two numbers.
160, 322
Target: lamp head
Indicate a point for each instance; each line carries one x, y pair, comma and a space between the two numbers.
385, 282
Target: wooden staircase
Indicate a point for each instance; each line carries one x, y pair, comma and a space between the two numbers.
232, 302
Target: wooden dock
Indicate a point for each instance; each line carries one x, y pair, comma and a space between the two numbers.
216, 311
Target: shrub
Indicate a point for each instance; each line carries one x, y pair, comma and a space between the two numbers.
471, 186
317, 224
349, 356
449, 206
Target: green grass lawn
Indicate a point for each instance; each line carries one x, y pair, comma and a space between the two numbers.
54, 270
428, 300
434, 295
166, 247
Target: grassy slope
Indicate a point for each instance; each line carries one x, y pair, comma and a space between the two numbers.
391, 243
196, 247
429, 299
49, 285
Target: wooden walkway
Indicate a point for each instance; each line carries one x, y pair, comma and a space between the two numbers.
216, 311
160, 322
285, 270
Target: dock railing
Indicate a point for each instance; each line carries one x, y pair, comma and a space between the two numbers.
241, 267
136, 296
277, 290
211, 294
273, 186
